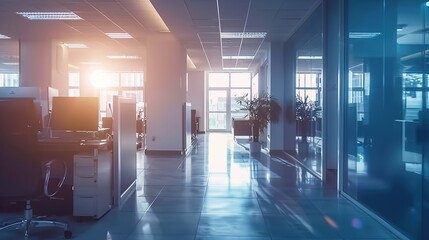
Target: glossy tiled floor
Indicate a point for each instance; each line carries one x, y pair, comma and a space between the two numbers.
220, 192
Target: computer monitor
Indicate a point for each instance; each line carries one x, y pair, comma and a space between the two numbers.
18, 115
75, 113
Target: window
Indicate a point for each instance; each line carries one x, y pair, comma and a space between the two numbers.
74, 84
130, 84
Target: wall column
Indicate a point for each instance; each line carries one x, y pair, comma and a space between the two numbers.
331, 80
277, 82
43, 64
165, 93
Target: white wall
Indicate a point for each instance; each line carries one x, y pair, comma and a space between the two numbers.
165, 92
196, 97
43, 63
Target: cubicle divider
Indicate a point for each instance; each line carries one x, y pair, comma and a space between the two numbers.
124, 148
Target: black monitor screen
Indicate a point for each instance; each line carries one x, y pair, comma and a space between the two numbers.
18, 115
74, 113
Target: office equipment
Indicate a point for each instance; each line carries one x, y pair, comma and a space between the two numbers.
32, 93
92, 183
124, 148
20, 166
75, 113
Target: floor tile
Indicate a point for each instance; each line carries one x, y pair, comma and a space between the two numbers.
183, 224
231, 225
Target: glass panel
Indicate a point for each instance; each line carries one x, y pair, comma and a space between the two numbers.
412, 80
9, 63
217, 100
255, 86
74, 79
238, 93
385, 102
241, 80
132, 79
308, 89
218, 79
106, 98
217, 121
74, 92
412, 104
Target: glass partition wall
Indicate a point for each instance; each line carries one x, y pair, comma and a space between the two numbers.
308, 89
304, 78
386, 111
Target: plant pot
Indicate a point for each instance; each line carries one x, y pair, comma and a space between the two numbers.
302, 149
255, 147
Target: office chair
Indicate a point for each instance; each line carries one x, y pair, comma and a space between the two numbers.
21, 171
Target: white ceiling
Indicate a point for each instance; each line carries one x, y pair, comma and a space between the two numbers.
197, 23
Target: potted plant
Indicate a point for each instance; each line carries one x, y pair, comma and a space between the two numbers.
260, 112
305, 112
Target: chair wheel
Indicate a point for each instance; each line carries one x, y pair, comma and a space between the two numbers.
67, 234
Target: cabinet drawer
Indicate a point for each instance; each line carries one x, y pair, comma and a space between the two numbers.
85, 171
84, 206
82, 161
84, 181
85, 191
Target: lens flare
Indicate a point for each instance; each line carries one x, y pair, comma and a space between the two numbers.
357, 223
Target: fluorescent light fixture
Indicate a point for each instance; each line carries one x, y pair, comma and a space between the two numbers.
4, 36
427, 4
363, 34
75, 45
310, 57
243, 34
238, 57
11, 63
90, 63
50, 15
119, 35
235, 68
124, 57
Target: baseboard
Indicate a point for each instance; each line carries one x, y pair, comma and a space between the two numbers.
201, 132
163, 153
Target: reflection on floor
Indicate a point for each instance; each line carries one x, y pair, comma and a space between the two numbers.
219, 191
311, 154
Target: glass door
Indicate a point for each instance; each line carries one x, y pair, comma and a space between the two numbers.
217, 110
222, 91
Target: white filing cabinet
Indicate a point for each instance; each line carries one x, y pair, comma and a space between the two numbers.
92, 183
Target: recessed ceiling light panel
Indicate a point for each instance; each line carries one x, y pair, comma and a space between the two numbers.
310, 57
243, 34
119, 35
4, 36
50, 15
235, 68
124, 57
238, 57
364, 34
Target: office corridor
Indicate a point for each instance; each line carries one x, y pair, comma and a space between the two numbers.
220, 192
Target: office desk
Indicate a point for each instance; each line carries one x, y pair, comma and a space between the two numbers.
90, 165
